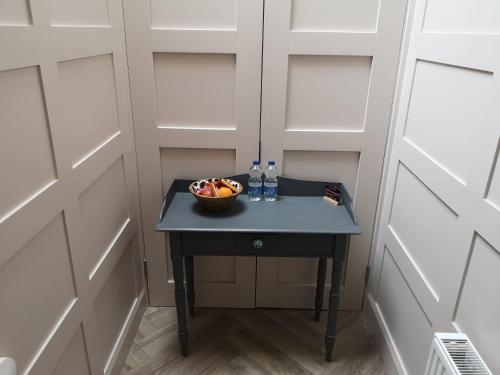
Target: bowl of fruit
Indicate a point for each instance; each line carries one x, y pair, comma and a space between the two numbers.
215, 194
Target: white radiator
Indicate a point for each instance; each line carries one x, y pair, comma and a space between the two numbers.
454, 354
7, 366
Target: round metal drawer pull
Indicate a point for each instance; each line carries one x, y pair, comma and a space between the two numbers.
258, 244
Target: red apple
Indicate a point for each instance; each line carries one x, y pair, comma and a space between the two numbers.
205, 193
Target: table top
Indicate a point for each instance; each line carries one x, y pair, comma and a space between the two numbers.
289, 214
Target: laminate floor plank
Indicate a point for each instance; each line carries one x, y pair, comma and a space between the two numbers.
267, 356
240, 365
283, 339
251, 342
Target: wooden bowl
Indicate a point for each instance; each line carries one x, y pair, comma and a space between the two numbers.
215, 203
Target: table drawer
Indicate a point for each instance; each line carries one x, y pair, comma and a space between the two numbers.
258, 242
208, 242
299, 242
266, 244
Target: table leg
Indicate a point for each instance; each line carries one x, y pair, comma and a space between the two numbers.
333, 306
189, 262
180, 294
320, 288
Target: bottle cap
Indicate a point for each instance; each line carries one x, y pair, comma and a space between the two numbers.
271, 162
256, 162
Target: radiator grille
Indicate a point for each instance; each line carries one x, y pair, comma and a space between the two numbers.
454, 354
465, 357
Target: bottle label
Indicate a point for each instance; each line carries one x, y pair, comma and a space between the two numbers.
255, 191
270, 191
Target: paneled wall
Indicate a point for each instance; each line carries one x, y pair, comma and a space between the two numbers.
438, 249
328, 75
328, 78
195, 87
71, 282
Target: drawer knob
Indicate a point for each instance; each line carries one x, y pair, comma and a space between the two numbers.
258, 244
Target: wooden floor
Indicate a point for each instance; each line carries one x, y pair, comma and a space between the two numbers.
240, 341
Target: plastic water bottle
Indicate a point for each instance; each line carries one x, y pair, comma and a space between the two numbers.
271, 182
255, 182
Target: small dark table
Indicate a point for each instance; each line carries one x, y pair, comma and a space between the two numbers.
299, 224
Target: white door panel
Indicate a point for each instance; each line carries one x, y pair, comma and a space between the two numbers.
338, 15
195, 70
69, 229
329, 69
440, 214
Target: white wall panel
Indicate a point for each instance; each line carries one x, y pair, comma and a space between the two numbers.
36, 289
327, 92
195, 69
69, 181
478, 307
79, 13
74, 359
24, 138
311, 165
439, 211
400, 307
287, 271
103, 212
416, 213
293, 281
215, 269
334, 15
479, 16
450, 131
110, 310
329, 68
88, 102
196, 90
15, 13
193, 14
493, 189
195, 163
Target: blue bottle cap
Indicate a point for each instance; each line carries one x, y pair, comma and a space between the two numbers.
256, 162
271, 162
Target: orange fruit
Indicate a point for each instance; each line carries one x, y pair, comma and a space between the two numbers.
225, 192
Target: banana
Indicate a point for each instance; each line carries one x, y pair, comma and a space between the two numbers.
215, 193
228, 185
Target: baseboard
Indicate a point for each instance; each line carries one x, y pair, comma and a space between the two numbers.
390, 354
126, 336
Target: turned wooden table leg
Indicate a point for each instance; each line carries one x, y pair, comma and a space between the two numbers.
320, 288
334, 302
180, 294
189, 262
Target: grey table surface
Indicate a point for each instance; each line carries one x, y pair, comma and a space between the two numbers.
289, 214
